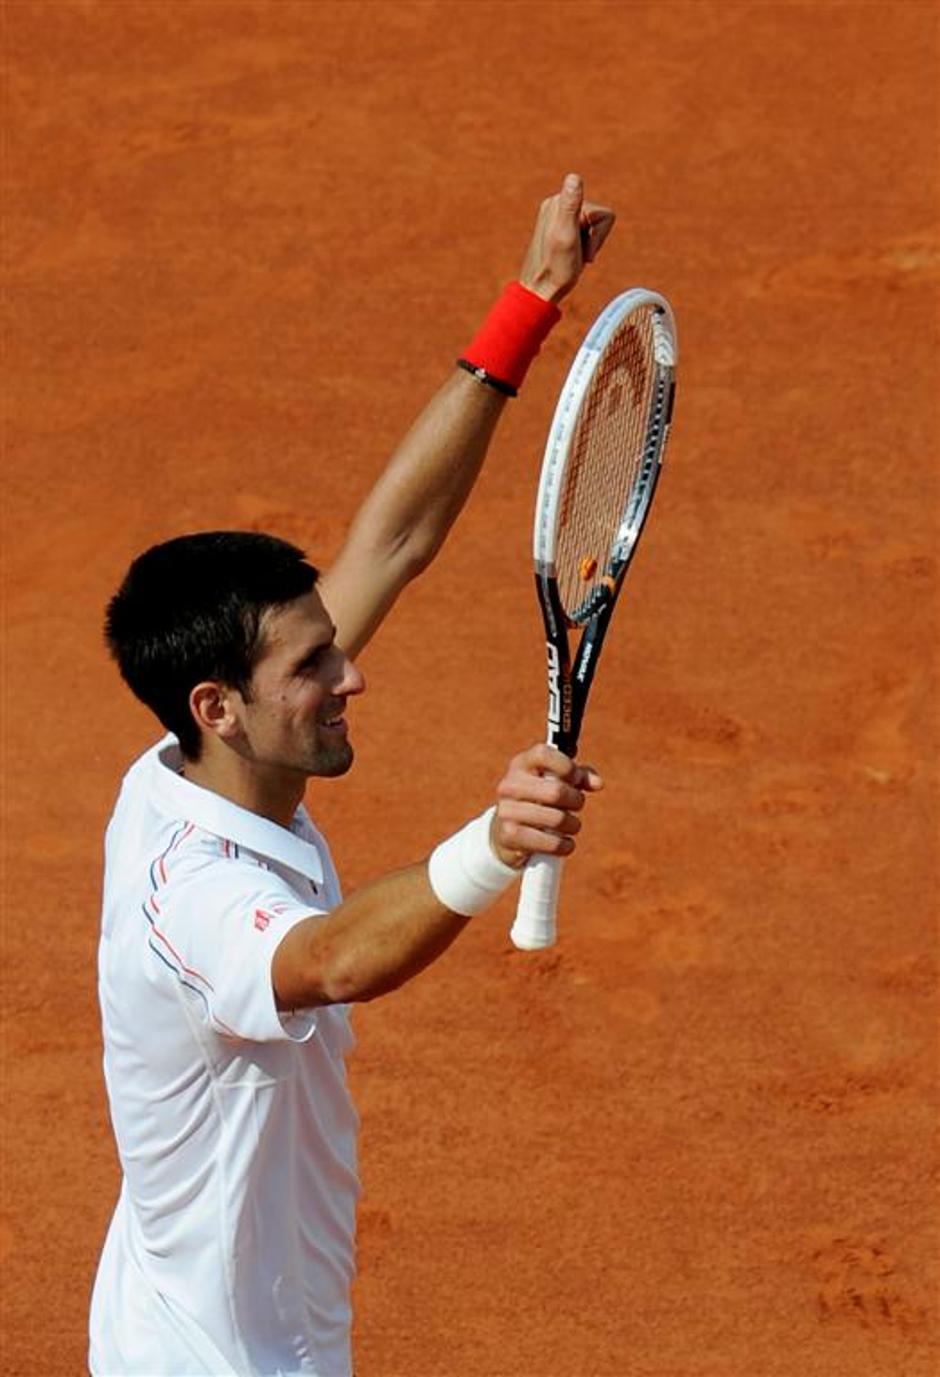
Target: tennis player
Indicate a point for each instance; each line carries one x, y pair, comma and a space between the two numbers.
228, 957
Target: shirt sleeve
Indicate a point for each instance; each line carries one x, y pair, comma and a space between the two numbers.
219, 925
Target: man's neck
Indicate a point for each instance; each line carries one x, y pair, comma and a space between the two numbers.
270, 792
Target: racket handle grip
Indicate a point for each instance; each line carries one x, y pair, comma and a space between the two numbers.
534, 927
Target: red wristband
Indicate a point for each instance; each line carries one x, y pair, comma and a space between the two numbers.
510, 337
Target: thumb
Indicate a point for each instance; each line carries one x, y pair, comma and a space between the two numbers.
572, 194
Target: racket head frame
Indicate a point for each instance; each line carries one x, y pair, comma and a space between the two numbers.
569, 684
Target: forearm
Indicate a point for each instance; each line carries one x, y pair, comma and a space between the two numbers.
373, 942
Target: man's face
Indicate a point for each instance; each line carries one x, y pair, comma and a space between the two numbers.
294, 717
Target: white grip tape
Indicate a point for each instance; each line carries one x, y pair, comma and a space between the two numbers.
465, 873
534, 927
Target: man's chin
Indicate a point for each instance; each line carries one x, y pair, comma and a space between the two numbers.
333, 762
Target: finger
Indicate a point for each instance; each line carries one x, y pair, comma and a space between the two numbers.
545, 789
518, 837
586, 778
596, 224
548, 759
599, 232
528, 814
593, 214
571, 195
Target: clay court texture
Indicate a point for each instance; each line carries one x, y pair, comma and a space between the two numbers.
244, 243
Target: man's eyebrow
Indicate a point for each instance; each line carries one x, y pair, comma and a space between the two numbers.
314, 649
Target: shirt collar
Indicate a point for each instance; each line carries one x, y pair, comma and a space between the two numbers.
221, 817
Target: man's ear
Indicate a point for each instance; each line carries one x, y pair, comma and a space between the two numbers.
213, 707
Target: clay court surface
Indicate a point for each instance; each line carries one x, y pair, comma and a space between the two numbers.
244, 243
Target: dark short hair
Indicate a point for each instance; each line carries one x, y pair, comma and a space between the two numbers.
191, 609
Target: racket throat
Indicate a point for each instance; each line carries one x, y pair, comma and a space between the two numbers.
560, 729
562, 716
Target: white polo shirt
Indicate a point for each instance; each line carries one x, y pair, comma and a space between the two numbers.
231, 1247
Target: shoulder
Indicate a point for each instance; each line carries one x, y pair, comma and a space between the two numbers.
202, 879
192, 853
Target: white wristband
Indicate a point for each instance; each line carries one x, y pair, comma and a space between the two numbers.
465, 873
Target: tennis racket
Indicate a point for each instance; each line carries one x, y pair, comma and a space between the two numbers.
599, 473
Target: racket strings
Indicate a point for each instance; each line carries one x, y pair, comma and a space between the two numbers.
605, 468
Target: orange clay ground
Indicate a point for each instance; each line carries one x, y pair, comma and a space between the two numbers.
245, 241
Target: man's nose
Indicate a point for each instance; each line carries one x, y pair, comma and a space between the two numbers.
352, 681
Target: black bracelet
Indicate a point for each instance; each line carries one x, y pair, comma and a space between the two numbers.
482, 376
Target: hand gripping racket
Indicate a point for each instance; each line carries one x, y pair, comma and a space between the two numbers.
599, 473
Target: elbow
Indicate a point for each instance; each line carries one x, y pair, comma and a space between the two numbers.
416, 548
338, 985
319, 964
414, 552
423, 552
349, 982
325, 977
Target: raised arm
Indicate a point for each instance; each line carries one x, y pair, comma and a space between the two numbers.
405, 518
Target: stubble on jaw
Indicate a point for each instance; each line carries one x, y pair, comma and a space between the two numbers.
332, 759
332, 764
